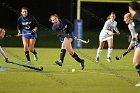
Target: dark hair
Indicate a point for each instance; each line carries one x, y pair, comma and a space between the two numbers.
52, 16
24, 8
134, 5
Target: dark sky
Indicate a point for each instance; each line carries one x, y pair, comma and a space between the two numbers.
93, 14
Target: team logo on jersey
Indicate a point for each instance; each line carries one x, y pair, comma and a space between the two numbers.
26, 25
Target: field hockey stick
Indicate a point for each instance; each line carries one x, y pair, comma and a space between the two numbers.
69, 36
81, 40
26, 66
18, 35
120, 57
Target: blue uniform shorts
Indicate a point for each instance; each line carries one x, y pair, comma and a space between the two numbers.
28, 34
138, 45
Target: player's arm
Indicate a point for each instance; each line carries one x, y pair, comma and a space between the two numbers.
70, 26
137, 25
35, 24
61, 34
19, 26
116, 29
132, 44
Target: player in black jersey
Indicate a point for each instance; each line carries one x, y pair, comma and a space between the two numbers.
134, 9
64, 26
27, 27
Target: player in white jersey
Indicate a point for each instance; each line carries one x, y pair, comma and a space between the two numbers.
128, 20
109, 26
2, 33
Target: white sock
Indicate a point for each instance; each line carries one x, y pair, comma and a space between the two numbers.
109, 52
98, 52
2, 53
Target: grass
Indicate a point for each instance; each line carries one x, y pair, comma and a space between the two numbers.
103, 77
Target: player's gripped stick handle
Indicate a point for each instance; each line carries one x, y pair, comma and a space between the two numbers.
120, 57
26, 66
111, 33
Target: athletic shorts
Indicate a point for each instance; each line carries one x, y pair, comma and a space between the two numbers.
28, 34
104, 36
138, 45
61, 39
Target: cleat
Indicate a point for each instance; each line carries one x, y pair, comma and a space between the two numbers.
97, 59
7, 60
109, 59
35, 57
138, 85
82, 64
28, 63
59, 62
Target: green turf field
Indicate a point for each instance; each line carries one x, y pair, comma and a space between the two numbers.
103, 77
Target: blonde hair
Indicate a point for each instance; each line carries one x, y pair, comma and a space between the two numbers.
128, 15
55, 15
2, 31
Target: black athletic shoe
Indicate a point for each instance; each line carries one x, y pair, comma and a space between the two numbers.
6, 60
59, 62
82, 64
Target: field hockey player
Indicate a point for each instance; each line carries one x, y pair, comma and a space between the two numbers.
66, 27
2, 33
128, 20
27, 25
109, 25
134, 10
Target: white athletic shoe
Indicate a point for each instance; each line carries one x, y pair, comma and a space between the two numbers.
138, 85
35, 57
28, 63
109, 59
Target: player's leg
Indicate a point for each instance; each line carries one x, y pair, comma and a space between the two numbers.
32, 49
73, 54
3, 54
26, 49
136, 60
62, 53
99, 50
110, 48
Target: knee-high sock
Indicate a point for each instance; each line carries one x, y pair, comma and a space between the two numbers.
62, 54
138, 68
2, 53
109, 52
27, 55
99, 50
34, 52
75, 56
